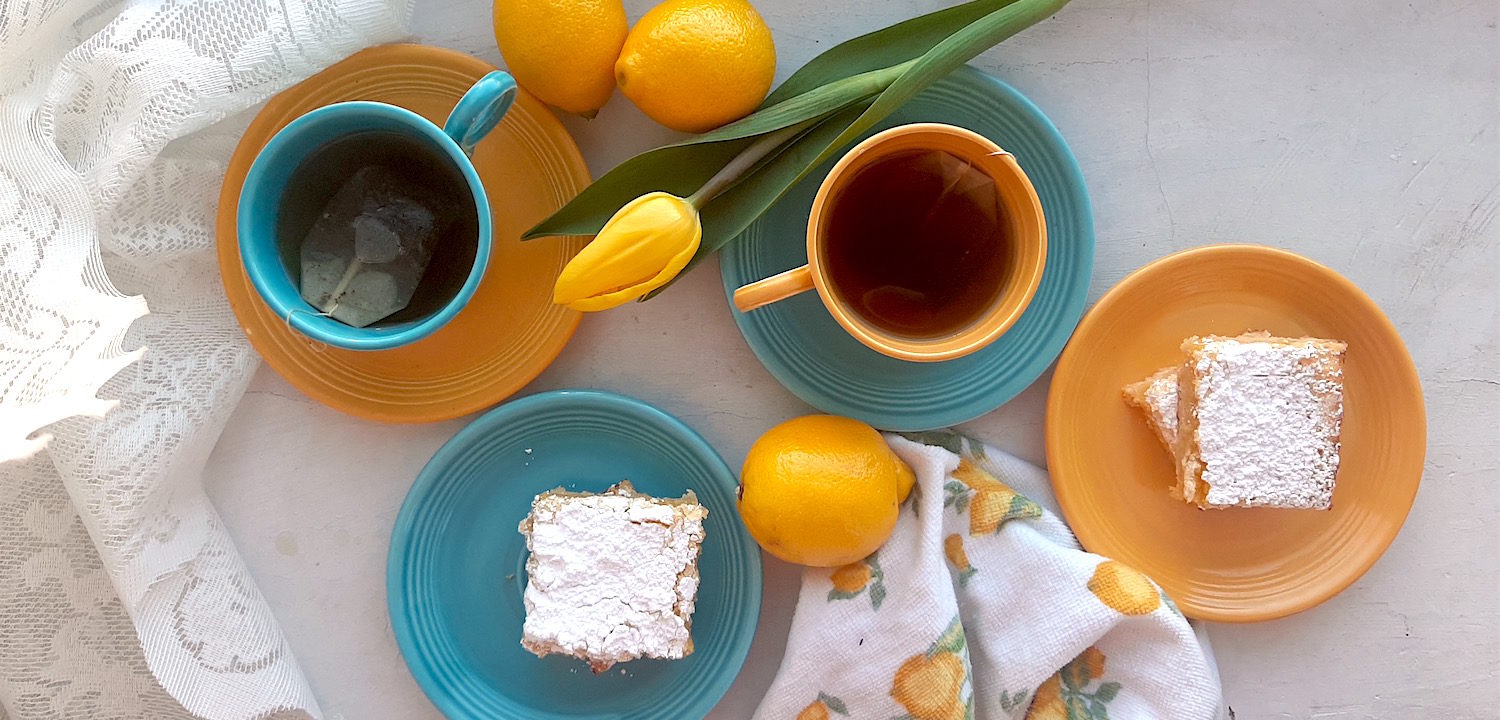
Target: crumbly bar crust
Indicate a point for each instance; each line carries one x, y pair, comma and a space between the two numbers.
1156, 398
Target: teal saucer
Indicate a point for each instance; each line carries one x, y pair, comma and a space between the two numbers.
457, 564
801, 345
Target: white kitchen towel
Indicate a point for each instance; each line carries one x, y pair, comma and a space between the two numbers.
121, 594
981, 605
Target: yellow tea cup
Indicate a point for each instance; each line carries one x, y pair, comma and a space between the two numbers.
926, 242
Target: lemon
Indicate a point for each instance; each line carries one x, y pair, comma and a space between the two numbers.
694, 65
562, 51
822, 490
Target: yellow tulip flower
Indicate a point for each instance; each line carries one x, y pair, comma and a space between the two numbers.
641, 248
646, 243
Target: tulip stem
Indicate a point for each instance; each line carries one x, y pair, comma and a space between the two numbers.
747, 159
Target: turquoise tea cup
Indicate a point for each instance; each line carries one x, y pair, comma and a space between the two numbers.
312, 162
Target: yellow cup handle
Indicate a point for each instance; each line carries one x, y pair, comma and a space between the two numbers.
774, 289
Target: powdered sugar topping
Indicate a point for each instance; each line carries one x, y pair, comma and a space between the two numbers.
1161, 397
608, 576
1268, 421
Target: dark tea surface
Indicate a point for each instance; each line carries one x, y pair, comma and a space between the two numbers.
382, 227
917, 243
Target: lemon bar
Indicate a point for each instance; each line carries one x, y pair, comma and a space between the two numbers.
1259, 421
1156, 397
612, 576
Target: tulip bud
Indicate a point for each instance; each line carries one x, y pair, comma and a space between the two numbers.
642, 247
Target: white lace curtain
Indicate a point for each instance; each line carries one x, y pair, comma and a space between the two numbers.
121, 595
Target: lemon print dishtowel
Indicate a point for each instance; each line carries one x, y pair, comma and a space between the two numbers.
982, 605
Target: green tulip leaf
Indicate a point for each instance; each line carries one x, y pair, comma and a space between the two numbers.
754, 197
883, 48
727, 215
839, 95
682, 168
676, 169
815, 103
945, 57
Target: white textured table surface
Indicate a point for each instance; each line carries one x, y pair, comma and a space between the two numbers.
1362, 134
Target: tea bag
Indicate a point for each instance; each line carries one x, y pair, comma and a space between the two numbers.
365, 255
968, 197
962, 183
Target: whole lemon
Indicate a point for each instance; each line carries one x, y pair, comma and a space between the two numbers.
562, 51
822, 490
694, 65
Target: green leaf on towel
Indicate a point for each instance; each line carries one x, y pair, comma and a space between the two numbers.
945, 439
964, 575
952, 639
833, 704
1097, 711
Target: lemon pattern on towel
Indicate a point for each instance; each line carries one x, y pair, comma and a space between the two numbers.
1072, 694
852, 580
935, 685
989, 502
953, 548
1124, 589
824, 708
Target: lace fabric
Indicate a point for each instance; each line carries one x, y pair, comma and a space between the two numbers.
121, 594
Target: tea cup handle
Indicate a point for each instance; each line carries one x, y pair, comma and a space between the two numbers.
774, 289
480, 109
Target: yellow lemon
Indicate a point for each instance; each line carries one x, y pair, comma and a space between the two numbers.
694, 65
929, 687
1124, 588
562, 51
822, 490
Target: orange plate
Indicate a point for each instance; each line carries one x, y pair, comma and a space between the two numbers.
1112, 475
510, 331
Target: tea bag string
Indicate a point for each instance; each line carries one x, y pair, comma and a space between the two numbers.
330, 306
316, 346
338, 291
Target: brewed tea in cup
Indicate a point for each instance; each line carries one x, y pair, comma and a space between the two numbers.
926, 242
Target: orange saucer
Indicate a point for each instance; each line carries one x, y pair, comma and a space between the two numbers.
510, 331
1112, 475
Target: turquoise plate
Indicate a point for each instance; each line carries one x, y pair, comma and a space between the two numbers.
457, 564
801, 345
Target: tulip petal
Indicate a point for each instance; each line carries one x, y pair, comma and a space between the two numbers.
642, 247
